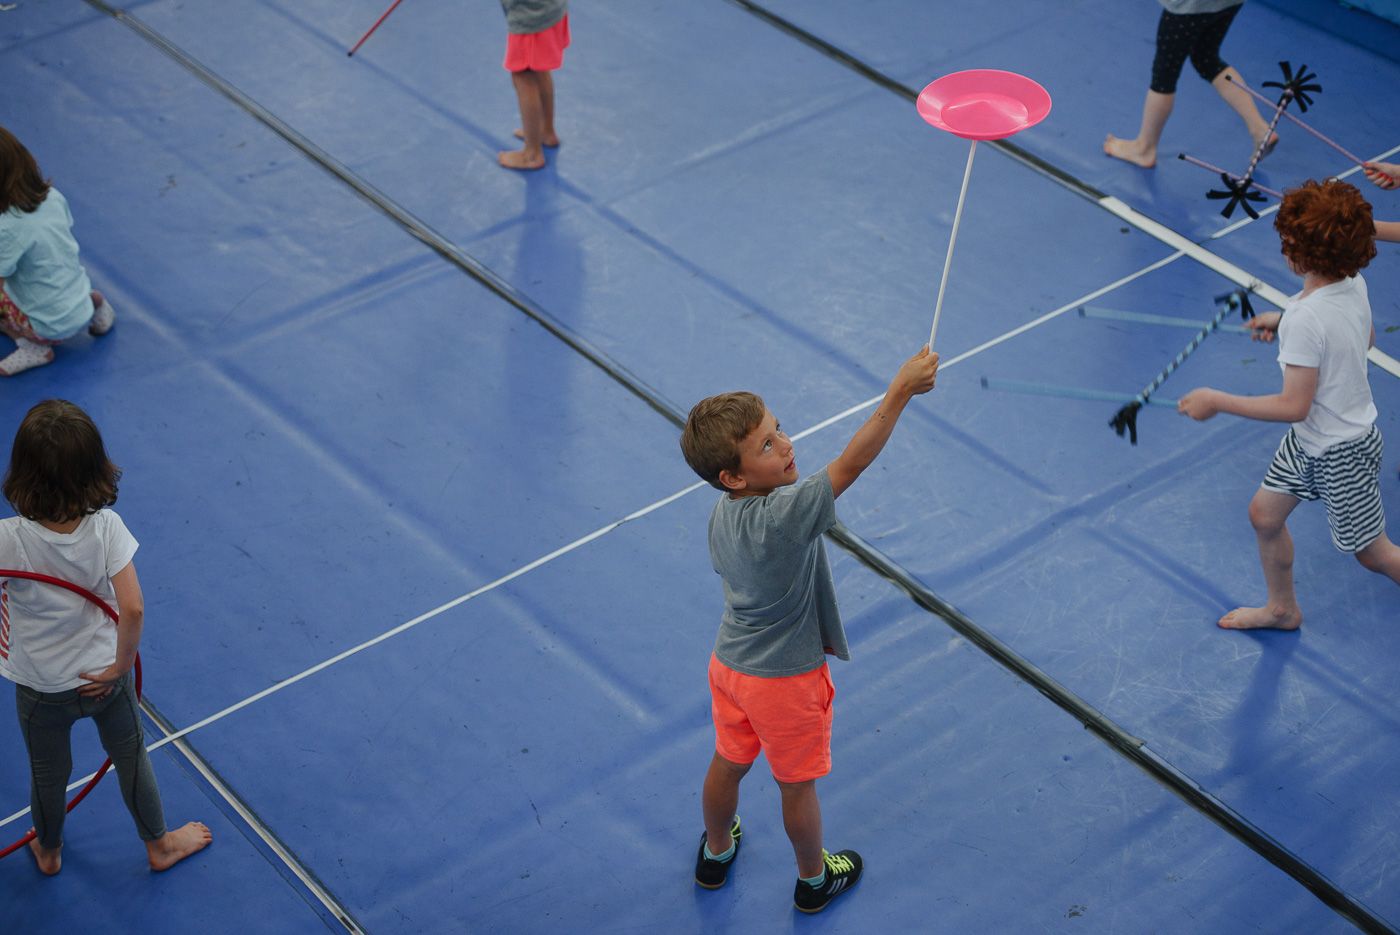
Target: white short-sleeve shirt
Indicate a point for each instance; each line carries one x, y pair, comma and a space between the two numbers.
1330, 330
48, 635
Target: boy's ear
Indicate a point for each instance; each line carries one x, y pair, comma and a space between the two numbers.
732, 480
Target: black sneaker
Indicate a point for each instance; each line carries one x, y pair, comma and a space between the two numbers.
711, 874
843, 871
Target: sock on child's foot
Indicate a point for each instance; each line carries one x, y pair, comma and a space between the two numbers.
103, 317
724, 858
27, 355
815, 881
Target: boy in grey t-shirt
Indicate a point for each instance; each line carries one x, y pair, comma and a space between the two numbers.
769, 683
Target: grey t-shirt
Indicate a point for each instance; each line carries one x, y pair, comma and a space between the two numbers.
780, 614
527, 16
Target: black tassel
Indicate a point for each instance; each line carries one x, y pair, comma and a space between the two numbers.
1293, 85
1240, 193
1126, 421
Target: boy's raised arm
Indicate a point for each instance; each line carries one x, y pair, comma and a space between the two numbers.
915, 378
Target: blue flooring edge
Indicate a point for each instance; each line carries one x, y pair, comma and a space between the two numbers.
1357, 26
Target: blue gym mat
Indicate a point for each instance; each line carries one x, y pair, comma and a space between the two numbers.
380, 405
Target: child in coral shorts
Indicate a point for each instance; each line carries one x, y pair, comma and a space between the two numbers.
539, 34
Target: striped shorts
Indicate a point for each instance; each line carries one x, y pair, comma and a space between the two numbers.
1346, 477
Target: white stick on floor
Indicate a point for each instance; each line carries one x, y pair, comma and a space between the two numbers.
957, 218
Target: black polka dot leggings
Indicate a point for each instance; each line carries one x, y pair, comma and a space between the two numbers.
1194, 35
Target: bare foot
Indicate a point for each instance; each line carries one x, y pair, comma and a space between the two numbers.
50, 862
551, 140
1129, 151
518, 160
1262, 618
174, 846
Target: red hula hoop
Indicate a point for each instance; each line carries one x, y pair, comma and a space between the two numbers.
106, 609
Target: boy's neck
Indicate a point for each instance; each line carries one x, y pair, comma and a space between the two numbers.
1314, 281
64, 527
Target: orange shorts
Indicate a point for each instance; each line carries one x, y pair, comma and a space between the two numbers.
538, 51
788, 718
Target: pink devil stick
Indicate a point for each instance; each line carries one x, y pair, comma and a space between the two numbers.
979, 104
1219, 171
1299, 122
374, 27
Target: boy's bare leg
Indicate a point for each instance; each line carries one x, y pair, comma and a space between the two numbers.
720, 801
1268, 514
50, 862
527, 93
549, 138
1382, 557
802, 819
547, 99
174, 846
1142, 150
1228, 84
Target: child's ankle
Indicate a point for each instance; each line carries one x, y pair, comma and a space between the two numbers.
720, 855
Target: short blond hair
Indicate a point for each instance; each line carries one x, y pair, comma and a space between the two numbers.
713, 430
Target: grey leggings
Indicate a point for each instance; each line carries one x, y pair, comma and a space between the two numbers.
46, 721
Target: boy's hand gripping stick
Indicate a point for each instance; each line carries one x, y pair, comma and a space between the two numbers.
1125, 420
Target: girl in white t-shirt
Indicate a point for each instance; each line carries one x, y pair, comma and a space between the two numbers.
1333, 450
65, 657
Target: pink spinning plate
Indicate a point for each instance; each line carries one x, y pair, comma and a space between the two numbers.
983, 103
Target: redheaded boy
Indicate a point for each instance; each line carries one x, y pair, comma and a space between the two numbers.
769, 683
1332, 452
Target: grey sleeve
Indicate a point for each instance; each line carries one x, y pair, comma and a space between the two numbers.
804, 511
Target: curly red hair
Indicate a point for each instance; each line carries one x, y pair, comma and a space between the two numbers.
1326, 228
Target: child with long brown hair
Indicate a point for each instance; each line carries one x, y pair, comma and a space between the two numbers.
45, 295
66, 659
1333, 450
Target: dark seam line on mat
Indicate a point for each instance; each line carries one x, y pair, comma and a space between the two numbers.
336, 910
909, 94
1133, 748
1130, 746
410, 222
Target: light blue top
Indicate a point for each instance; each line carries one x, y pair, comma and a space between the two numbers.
780, 614
39, 263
